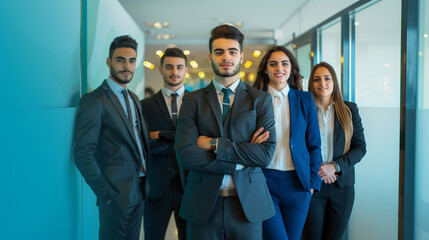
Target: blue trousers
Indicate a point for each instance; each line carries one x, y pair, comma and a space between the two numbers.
291, 202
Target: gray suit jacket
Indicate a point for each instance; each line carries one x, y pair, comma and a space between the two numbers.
200, 114
106, 151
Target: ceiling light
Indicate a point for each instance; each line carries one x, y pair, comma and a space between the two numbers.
251, 77
241, 74
248, 64
186, 52
202, 75
165, 24
425, 35
188, 75
157, 25
356, 23
148, 65
239, 24
159, 53
256, 53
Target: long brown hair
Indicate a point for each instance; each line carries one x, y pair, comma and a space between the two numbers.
341, 110
262, 80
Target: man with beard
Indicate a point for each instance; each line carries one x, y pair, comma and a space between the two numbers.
164, 176
111, 145
225, 135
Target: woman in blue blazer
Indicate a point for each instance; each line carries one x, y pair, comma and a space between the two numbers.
343, 145
292, 174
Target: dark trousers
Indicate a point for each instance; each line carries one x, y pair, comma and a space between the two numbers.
120, 223
227, 222
291, 203
329, 212
158, 211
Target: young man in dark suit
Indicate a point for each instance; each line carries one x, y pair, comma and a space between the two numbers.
219, 140
111, 145
164, 176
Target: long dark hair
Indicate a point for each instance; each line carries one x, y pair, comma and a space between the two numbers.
341, 110
262, 80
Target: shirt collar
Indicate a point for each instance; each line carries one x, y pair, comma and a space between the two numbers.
167, 92
282, 93
219, 86
329, 107
116, 88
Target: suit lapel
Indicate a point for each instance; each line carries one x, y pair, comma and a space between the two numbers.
115, 102
294, 102
338, 137
240, 96
142, 124
213, 101
159, 97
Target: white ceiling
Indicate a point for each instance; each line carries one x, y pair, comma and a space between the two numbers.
192, 20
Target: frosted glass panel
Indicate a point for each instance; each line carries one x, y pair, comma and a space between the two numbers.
378, 48
304, 61
331, 45
375, 212
421, 228
377, 93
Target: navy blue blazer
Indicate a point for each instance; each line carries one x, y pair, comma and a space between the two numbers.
305, 138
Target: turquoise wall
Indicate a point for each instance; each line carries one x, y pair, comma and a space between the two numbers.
42, 194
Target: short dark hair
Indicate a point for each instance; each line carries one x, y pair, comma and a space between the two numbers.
174, 52
228, 32
262, 79
124, 41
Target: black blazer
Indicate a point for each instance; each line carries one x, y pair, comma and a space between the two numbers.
162, 164
106, 151
200, 114
357, 147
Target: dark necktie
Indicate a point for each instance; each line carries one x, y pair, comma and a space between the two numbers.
127, 103
226, 102
174, 108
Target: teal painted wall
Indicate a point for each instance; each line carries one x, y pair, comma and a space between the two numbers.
40, 65
42, 194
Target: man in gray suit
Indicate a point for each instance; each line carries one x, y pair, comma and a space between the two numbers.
111, 145
219, 140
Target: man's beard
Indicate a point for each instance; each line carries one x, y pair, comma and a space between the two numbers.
117, 79
170, 83
217, 71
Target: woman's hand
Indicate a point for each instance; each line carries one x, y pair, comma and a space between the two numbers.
327, 173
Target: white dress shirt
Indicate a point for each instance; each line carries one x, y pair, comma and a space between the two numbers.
282, 159
326, 126
227, 182
167, 97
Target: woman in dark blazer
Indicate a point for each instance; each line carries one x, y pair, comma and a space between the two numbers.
343, 146
292, 174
